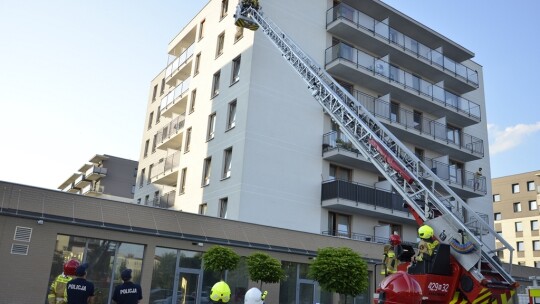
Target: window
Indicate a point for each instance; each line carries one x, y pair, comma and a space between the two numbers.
533, 205
138, 201
188, 140
141, 180
197, 64
419, 153
183, 177
206, 171
518, 226
231, 115
453, 134
211, 126
536, 245
339, 224
154, 93
158, 116
394, 112
534, 225
227, 162
203, 208
515, 188
496, 197
156, 198
146, 146
154, 143
162, 86
235, 70
215, 84
239, 33
150, 173
193, 98
201, 29
417, 120
147, 199
224, 8
530, 186
497, 216
150, 118
223, 207
220, 44
517, 207
340, 173
520, 246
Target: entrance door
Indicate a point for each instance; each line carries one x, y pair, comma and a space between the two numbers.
188, 287
306, 292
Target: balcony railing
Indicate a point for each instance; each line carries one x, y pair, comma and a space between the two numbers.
362, 237
409, 81
173, 95
96, 170
453, 175
359, 193
406, 43
164, 201
179, 61
166, 165
438, 131
171, 129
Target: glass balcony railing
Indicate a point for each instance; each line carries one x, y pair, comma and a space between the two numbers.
166, 165
165, 201
96, 170
171, 129
172, 97
411, 120
409, 45
361, 60
179, 61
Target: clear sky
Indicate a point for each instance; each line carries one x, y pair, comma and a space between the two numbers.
75, 76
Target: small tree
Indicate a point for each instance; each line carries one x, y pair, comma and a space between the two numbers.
220, 259
264, 268
340, 270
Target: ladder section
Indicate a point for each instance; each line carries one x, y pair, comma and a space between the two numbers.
427, 196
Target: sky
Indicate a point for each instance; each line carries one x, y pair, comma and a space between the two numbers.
75, 77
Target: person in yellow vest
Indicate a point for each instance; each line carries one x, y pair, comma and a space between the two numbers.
427, 244
390, 260
58, 286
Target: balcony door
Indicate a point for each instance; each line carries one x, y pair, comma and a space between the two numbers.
339, 224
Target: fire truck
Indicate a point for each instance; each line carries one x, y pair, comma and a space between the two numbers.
463, 268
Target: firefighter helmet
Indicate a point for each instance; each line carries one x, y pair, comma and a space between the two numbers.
399, 286
221, 293
70, 266
395, 240
425, 232
254, 296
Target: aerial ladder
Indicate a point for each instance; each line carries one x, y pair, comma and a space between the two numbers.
474, 273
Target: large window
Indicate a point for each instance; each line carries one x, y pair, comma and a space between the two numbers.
339, 224
106, 258
340, 173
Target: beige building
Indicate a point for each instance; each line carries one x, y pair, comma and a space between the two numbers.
231, 130
104, 176
515, 207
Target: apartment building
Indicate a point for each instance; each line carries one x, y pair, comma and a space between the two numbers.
104, 176
231, 131
516, 216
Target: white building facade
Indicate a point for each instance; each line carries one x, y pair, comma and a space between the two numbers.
231, 130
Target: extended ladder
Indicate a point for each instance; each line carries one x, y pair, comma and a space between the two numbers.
428, 197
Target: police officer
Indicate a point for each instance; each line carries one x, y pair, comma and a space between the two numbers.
128, 292
221, 293
79, 290
58, 286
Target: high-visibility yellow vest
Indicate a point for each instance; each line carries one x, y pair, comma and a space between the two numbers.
56, 291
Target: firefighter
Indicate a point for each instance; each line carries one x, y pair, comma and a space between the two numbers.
390, 257
252, 3
221, 293
422, 259
58, 286
255, 296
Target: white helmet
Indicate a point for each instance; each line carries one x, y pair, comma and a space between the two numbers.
254, 296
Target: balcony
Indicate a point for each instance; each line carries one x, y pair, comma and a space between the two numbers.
355, 198
180, 67
175, 102
379, 38
81, 182
338, 148
356, 66
170, 137
92, 190
95, 173
423, 132
165, 172
165, 201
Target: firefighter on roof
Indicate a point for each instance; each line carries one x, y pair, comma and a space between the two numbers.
58, 286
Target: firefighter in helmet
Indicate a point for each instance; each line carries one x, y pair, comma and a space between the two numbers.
255, 296
221, 293
58, 286
422, 259
390, 260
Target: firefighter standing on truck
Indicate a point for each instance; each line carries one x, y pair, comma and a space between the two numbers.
58, 286
427, 244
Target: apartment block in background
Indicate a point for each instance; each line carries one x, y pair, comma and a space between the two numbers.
517, 218
104, 176
232, 131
